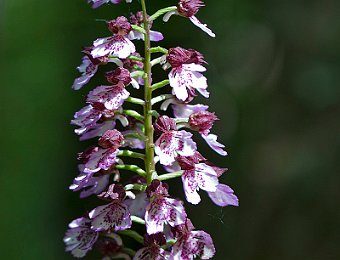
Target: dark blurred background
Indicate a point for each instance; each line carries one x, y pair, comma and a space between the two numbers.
274, 77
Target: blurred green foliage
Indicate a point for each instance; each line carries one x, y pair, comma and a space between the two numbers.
274, 81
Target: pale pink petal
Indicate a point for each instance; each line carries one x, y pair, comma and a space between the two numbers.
224, 196
190, 187
88, 70
211, 140
185, 110
187, 147
112, 97
202, 26
206, 177
114, 216
117, 45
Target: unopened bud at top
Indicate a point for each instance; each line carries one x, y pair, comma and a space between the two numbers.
120, 25
189, 8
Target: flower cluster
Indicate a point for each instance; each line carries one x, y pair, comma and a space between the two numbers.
123, 133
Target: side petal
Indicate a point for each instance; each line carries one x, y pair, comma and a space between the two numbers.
224, 196
202, 26
211, 140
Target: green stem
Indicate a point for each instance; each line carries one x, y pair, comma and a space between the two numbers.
162, 11
135, 101
132, 234
134, 114
138, 220
156, 61
161, 98
138, 28
160, 84
158, 49
169, 176
131, 154
137, 73
149, 145
132, 168
138, 187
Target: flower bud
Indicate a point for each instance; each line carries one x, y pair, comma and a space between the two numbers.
120, 25
111, 139
118, 75
189, 8
178, 56
202, 121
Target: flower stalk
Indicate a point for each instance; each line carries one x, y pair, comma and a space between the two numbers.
149, 145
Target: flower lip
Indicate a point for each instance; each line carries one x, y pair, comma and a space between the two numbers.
118, 75
178, 56
188, 8
111, 139
120, 25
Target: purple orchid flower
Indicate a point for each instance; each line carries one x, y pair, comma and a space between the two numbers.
80, 238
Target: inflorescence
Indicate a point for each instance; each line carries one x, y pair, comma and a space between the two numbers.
148, 137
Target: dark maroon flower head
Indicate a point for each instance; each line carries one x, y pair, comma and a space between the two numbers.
111, 139
108, 246
118, 75
202, 121
164, 124
120, 25
154, 239
95, 61
137, 19
85, 156
179, 56
114, 192
133, 64
189, 8
157, 188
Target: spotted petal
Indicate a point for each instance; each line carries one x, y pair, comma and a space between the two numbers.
114, 216
117, 45
162, 211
